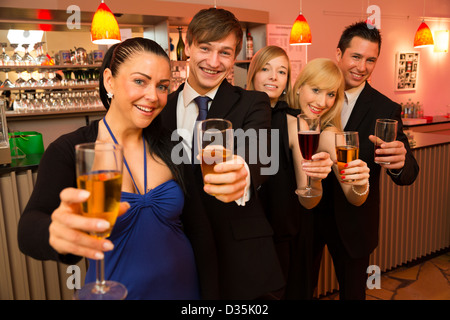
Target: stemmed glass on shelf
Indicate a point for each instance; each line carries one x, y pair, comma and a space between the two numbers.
27, 59
4, 58
16, 59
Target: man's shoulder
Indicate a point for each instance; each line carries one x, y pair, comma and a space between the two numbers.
376, 95
245, 95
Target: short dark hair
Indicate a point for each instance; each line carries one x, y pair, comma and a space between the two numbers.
360, 29
214, 24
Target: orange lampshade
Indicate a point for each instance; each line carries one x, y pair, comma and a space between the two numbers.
300, 32
104, 28
423, 37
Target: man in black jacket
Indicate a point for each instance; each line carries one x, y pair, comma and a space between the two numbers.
247, 263
350, 232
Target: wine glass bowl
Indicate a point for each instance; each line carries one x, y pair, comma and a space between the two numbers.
99, 171
347, 148
215, 143
385, 131
308, 139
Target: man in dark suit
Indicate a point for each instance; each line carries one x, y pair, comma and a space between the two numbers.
350, 232
247, 263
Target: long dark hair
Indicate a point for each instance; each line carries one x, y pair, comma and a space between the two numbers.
157, 137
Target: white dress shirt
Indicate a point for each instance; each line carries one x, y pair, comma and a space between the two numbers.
187, 113
351, 96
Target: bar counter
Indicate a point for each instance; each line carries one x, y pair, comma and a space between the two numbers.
414, 222
51, 124
436, 124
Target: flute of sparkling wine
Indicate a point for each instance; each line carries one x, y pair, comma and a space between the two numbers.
308, 139
99, 171
347, 149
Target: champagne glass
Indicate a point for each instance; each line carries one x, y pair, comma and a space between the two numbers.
99, 170
4, 58
16, 59
215, 143
7, 83
308, 139
27, 59
347, 149
385, 131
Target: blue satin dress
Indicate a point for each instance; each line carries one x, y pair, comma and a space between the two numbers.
152, 256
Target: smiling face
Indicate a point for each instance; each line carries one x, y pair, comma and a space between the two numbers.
272, 78
314, 101
358, 61
210, 62
140, 88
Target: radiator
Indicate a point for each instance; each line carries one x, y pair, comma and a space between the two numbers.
414, 220
22, 277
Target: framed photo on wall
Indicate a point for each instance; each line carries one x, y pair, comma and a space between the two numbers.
406, 71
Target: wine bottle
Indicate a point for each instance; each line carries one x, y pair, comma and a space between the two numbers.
249, 51
181, 55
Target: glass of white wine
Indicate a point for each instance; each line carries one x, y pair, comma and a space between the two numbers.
347, 149
99, 170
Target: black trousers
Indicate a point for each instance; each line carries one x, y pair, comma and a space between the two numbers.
351, 272
295, 253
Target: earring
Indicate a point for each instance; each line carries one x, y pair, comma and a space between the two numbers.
110, 95
284, 91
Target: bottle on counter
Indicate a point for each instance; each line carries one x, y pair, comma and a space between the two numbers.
419, 110
181, 55
249, 47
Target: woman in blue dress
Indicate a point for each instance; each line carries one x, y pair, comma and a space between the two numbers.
147, 251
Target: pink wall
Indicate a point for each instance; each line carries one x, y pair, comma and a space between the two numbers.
399, 22
327, 18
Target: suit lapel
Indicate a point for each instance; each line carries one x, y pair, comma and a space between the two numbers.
223, 102
169, 114
360, 109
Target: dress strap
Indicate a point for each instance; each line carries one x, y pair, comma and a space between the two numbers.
125, 161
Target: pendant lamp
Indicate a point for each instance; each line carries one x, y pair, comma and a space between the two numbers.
104, 28
300, 32
423, 37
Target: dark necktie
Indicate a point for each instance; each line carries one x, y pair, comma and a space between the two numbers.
202, 103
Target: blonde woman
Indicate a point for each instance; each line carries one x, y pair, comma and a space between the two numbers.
270, 72
319, 91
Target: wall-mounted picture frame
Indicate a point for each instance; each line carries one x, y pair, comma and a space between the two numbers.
406, 71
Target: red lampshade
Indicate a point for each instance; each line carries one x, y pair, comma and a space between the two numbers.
104, 28
300, 32
423, 37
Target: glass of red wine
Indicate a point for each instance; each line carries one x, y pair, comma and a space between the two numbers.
308, 139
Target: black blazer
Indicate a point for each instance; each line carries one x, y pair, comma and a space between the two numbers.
358, 226
246, 259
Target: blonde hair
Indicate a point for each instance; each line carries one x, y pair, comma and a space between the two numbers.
326, 75
261, 58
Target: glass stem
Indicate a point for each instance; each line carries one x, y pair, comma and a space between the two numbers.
308, 186
308, 181
100, 286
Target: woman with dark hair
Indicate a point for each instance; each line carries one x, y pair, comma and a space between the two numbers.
147, 251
